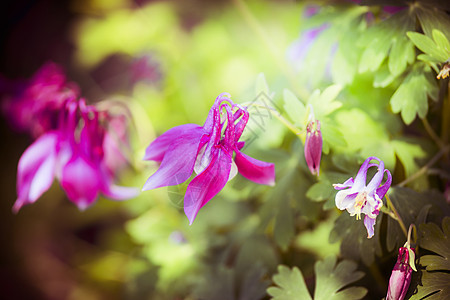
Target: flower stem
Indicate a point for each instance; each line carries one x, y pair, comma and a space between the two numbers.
432, 134
397, 216
255, 25
446, 117
425, 168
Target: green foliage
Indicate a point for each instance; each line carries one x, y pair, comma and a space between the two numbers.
411, 98
437, 50
435, 278
331, 280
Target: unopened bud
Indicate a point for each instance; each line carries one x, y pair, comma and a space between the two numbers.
401, 276
313, 146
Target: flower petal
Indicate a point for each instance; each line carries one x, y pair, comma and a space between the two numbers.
369, 223
345, 199
157, 149
207, 184
376, 179
81, 180
382, 190
341, 186
255, 170
36, 170
178, 162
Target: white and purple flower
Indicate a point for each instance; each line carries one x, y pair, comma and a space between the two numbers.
208, 151
357, 197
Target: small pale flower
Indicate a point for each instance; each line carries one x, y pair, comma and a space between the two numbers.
208, 151
356, 196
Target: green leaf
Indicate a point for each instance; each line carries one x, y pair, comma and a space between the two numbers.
331, 278
324, 103
434, 239
434, 282
411, 98
428, 46
431, 18
353, 236
261, 85
408, 151
402, 54
284, 230
291, 285
409, 205
441, 41
294, 108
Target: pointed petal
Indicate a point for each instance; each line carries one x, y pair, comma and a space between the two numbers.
376, 179
81, 180
207, 184
382, 190
178, 162
341, 186
157, 149
255, 170
360, 179
369, 223
36, 170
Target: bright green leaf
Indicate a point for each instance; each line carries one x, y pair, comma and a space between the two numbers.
427, 45
402, 54
291, 285
294, 108
441, 41
411, 98
331, 278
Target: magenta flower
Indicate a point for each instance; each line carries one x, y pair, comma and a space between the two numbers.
32, 106
74, 154
400, 276
313, 146
208, 151
357, 197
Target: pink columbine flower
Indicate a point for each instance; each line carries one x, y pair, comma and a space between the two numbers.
313, 146
208, 151
400, 276
357, 197
74, 154
32, 106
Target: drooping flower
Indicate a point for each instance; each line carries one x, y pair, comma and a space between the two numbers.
400, 276
32, 106
358, 197
74, 154
208, 151
313, 145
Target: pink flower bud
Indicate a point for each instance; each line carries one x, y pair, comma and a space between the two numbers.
400, 277
313, 146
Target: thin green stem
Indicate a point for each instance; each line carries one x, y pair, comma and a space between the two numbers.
446, 117
425, 168
432, 134
255, 25
277, 115
397, 216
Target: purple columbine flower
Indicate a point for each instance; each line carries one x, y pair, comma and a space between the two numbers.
357, 197
313, 146
400, 276
208, 151
74, 153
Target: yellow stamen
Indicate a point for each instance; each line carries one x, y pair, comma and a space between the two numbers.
360, 201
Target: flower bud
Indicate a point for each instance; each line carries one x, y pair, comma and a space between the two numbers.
313, 146
401, 276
